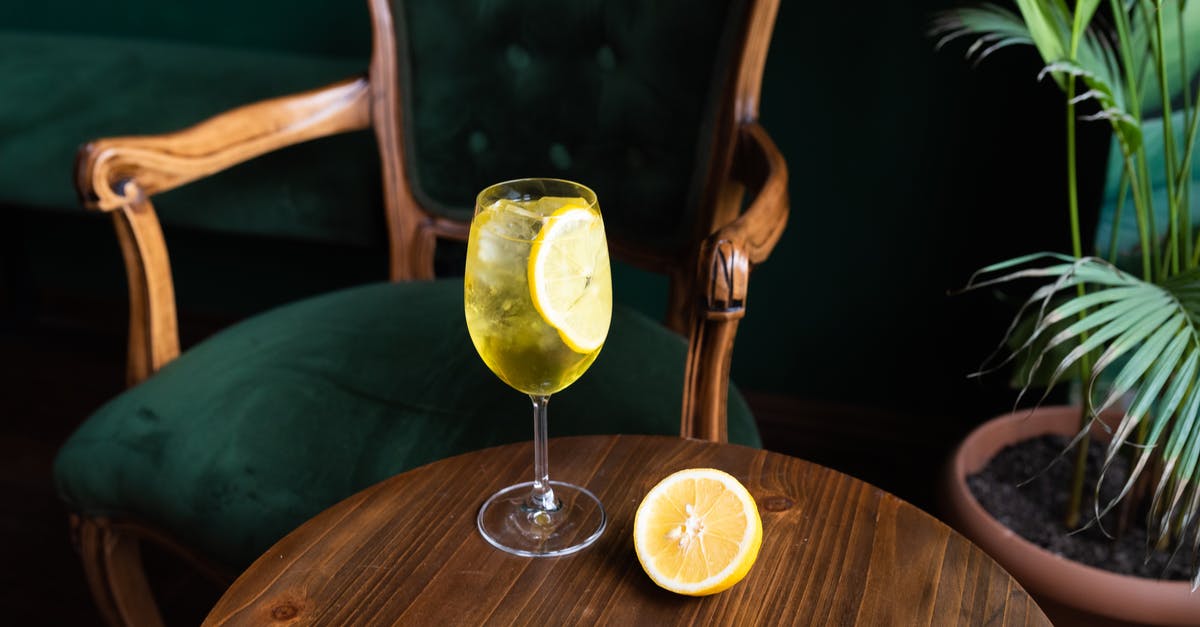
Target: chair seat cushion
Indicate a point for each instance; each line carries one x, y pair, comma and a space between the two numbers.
258, 428
60, 91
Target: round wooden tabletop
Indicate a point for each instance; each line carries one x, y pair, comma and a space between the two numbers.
835, 551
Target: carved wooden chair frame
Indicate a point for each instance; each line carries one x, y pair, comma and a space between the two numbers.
707, 292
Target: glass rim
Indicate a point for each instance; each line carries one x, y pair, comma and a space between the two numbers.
589, 195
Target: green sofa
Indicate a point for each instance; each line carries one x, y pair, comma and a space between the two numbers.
72, 71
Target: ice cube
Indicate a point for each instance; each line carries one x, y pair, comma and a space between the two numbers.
513, 219
547, 205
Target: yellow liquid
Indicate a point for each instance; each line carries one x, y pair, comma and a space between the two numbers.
511, 336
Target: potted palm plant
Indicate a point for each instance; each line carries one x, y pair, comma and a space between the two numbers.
1123, 322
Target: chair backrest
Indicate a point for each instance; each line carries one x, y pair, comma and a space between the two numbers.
621, 95
639, 100
647, 102
653, 104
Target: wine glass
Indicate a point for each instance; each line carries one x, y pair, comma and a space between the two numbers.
538, 303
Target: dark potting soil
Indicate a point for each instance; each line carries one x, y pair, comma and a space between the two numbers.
1035, 510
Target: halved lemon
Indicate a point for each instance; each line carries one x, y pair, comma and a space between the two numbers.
569, 277
697, 532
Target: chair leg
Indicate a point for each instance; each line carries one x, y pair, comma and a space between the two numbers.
112, 561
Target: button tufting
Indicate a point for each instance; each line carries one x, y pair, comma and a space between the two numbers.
605, 58
517, 57
477, 142
559, 156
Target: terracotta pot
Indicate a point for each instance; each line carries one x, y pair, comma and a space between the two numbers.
1069, 592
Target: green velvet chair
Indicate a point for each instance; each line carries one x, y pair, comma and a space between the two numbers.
219, 451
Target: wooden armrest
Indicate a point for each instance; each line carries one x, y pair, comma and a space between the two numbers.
723, 273
728, 254
122, 171
119, 174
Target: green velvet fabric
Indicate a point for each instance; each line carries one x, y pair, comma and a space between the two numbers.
60, 91
251, 432
326, 27
619, 95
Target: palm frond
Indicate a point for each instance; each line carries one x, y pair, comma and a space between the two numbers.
994, 28
1046, 26
1104, 87
1148, 336
1049, 25
1068, 273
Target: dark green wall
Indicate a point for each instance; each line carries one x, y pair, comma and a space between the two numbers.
909, 169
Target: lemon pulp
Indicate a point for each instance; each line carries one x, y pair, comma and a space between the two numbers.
697, 532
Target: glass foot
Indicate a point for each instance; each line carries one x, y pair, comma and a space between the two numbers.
510, 522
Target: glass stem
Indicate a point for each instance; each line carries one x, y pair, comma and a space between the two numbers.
542, 497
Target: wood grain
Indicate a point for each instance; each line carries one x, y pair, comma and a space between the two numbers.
721, 282
153, 323
835, 551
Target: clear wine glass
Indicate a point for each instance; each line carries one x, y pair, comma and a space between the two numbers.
538, 302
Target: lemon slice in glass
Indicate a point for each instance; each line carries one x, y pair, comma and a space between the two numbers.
697, 532
569, 277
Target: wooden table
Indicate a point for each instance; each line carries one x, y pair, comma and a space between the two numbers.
835, 551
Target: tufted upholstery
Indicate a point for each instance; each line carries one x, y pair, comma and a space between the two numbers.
616, 93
